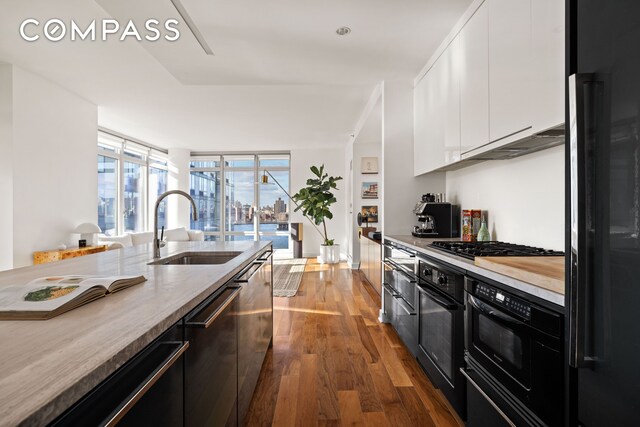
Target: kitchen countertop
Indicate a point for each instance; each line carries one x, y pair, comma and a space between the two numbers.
422, 245
47, 365
378, 241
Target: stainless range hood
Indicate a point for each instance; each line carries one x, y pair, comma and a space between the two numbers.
527, 145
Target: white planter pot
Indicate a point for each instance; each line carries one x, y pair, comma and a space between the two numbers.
329, 254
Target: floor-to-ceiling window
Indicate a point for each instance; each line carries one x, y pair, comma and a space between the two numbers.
274, 202
240, 193
206, 190
157, 184
131, 176
233, 201
107, 194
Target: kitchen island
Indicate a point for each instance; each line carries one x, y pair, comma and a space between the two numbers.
47, 366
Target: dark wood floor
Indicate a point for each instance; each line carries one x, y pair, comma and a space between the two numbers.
332, 363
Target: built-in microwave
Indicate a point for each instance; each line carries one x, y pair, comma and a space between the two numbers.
517, 343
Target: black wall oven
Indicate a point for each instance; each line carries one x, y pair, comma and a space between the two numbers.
440, 346
399, 292
515, 354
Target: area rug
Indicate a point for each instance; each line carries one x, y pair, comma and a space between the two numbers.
287, 275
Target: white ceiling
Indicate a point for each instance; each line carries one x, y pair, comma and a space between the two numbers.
280, 78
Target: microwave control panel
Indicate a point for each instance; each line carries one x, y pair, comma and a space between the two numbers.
513, 304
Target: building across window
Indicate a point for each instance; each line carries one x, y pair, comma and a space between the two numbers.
243, 208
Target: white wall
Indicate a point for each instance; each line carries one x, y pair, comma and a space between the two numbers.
400, 189
360, 150
524, 197
334, 162
350, 227
54, 157
6, 167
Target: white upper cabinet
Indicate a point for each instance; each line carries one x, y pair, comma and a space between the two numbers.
437, 114
474, 80
547, 100
509, 67
422, 125
499, 80
450, 81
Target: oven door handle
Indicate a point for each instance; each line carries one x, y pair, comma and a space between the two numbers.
441, 301
489, 311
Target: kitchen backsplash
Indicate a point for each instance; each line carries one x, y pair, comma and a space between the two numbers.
524, 197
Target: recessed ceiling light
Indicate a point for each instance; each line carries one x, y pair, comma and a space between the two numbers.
343, 31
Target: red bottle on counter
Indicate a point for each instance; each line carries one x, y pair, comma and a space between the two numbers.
467, 226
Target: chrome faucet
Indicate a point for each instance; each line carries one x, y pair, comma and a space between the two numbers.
156, 242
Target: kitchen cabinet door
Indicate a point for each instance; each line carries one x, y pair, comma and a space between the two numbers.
147, 390
255, 327
547, 100
423, 123
474, 81
450, 80
437, 114
509, 67
376, 267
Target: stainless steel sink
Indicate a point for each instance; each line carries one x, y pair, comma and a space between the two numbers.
197, 258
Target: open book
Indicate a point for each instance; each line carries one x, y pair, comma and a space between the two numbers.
48, 297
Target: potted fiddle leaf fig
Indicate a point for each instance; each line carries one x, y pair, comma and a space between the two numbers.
315, 201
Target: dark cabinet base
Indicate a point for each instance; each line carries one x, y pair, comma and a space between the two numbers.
147, 390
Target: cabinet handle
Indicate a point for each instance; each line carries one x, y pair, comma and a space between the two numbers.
586, 93
407, 275
397, 267
403, 304
216, 313
495, 406
265, 256
239, 279
148, 384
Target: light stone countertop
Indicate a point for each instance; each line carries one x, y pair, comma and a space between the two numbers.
47, 365
422, 245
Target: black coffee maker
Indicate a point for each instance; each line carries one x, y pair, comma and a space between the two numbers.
436, 218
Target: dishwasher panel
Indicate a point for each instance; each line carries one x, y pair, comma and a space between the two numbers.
211, 363
255, 326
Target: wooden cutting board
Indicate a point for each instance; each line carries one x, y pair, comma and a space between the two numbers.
545, 272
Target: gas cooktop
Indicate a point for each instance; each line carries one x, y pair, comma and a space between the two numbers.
471, 250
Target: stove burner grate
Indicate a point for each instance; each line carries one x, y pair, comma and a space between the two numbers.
470, 250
